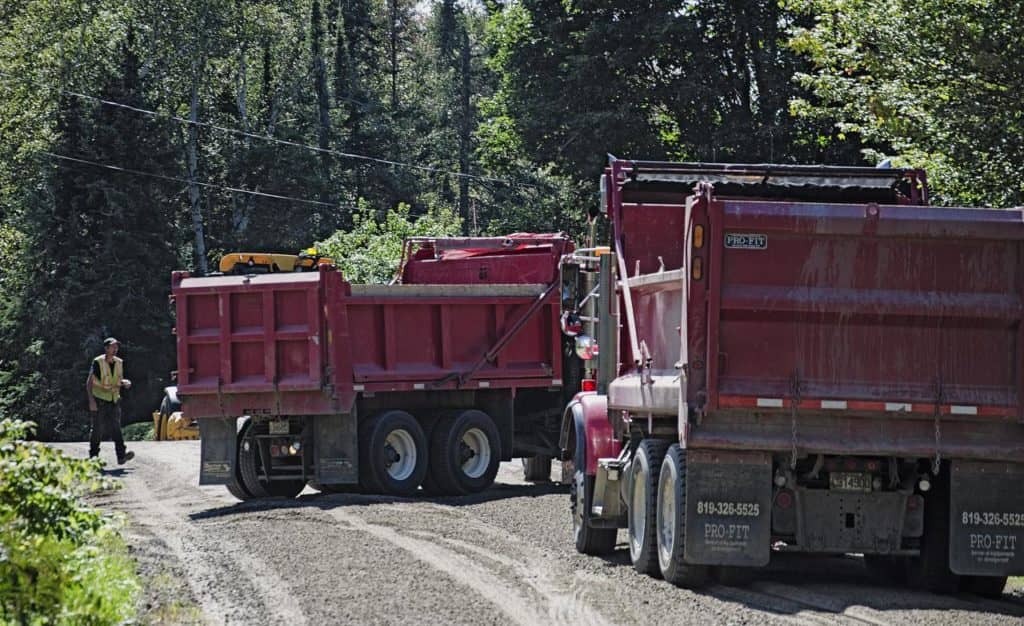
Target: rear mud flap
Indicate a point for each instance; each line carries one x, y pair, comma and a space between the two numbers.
336, 449
217, 438
728, 508
986, 519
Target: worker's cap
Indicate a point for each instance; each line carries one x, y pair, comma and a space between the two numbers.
109, 341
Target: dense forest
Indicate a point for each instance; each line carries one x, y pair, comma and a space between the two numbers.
142, 136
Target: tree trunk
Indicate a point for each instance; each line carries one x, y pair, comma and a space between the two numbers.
393, 50
193, 166
242, 207
320, 83
465, 130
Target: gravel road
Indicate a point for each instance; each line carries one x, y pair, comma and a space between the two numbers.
502, 557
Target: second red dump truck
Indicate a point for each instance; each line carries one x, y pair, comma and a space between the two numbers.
302, 378
803, 359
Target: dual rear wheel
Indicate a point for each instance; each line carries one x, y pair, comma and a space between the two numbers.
657, 514
460, 455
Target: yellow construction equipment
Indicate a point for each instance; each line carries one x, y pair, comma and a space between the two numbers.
267, 262
168, 422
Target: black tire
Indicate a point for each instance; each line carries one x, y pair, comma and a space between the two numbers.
385, 444
589, 540
537, 469
984, 586
930, 571
465, 450
250, 464
671, 523
236, 487
643, 505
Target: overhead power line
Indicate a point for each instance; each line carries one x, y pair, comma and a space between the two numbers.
125, 170
285, 142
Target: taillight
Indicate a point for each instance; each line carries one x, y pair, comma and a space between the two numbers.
588, 384
698, 236
784, 499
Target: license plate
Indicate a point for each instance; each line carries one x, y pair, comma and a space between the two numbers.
849, 481
278, 427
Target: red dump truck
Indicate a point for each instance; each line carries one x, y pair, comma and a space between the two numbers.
804, 359
302, 378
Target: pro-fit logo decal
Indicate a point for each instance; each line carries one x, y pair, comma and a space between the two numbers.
746, 241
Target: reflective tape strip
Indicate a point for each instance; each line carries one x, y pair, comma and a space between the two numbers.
873, 406
957, 409
358, 387
418, 386
556, 382
484, 384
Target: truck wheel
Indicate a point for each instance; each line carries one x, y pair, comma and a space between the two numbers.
537, 469
464, 453
930, 571
251, 466
236, 487
393, 454
643, 500
671, 520
589, 540
985, 586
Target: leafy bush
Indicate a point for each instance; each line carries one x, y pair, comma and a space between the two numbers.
139, 431
371, 250
61, 562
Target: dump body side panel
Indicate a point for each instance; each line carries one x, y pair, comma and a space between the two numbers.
866, 302
307, 343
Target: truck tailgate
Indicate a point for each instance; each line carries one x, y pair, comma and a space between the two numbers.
865, 307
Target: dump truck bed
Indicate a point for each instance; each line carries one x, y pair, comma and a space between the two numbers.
307, 343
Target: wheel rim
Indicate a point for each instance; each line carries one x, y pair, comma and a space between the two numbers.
666, 516
400, 454
475, 449
637, 511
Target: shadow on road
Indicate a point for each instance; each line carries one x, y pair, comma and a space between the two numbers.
793, 583
325, 501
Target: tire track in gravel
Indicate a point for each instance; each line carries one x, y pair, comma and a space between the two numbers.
531, 567
211, 559
471, 573
204, 550
563, 608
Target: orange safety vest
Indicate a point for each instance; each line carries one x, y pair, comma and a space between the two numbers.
109, 388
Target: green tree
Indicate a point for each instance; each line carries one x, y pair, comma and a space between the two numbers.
935, 84
371, 251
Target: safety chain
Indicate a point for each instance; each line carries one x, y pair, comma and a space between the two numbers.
936, 416
795, 389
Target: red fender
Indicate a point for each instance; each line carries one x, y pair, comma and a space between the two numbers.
592, 410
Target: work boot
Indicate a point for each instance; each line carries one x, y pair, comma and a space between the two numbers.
128, 456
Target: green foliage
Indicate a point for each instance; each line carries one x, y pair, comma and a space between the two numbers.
61, 562
931, 83
371, 251
139, 431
